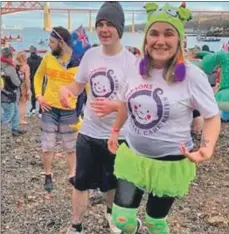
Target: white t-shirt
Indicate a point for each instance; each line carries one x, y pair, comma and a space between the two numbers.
160, 115
106, 76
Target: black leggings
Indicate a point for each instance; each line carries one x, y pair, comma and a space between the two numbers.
129, 196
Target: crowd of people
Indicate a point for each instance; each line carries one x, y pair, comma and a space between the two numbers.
137, 109
17, 74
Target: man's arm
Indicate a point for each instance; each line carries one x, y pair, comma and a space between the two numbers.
122, 115
38, 78
75, 88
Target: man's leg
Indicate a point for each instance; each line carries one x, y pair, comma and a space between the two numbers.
110, 198
47, 161
82, 182
79, 208
108, 212
71, 161
48, 144
15, 122
33, 98
11, 115
68, 137
109, 181
8, 112
79, 205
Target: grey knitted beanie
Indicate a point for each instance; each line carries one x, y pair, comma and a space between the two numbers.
112, 12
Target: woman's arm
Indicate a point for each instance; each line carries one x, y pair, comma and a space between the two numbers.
210, 136
27, 78
211, 131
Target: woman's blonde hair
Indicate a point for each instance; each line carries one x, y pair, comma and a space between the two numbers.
168, 72
21, 58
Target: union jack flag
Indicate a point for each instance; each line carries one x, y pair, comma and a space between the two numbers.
80, 41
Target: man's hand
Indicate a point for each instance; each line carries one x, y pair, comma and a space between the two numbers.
113, 142
102, 106
43, 104
65, 95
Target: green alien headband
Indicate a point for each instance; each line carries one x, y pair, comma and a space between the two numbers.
176, 16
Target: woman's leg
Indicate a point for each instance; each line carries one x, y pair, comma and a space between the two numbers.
124, 211
157, 209
22, 107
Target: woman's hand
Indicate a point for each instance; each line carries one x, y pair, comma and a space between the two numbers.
113, 142
27, 94
203, 154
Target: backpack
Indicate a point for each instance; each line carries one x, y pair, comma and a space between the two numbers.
9, 90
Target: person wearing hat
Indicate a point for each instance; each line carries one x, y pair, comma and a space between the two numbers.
157, 105
105, 69
33, 61
10, 93
59, 68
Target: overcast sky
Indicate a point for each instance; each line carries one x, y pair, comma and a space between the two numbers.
35, 18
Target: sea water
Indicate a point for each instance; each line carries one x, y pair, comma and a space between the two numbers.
32, 36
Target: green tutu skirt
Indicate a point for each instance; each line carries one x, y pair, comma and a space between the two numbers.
162, 178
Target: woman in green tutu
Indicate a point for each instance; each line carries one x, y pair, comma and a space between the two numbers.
157, 104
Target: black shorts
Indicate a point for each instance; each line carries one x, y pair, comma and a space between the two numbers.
95, 165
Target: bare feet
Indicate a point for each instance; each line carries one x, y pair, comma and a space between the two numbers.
23, 122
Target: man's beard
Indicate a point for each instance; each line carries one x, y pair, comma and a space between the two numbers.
57, 51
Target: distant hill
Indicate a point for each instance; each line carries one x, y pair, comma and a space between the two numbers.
202, 23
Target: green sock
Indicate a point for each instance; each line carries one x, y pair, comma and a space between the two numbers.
125, 218
156, 226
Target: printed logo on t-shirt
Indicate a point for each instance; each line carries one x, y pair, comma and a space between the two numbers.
149, 109
104, 83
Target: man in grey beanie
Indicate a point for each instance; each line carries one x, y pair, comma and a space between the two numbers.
105, 69
113, 13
